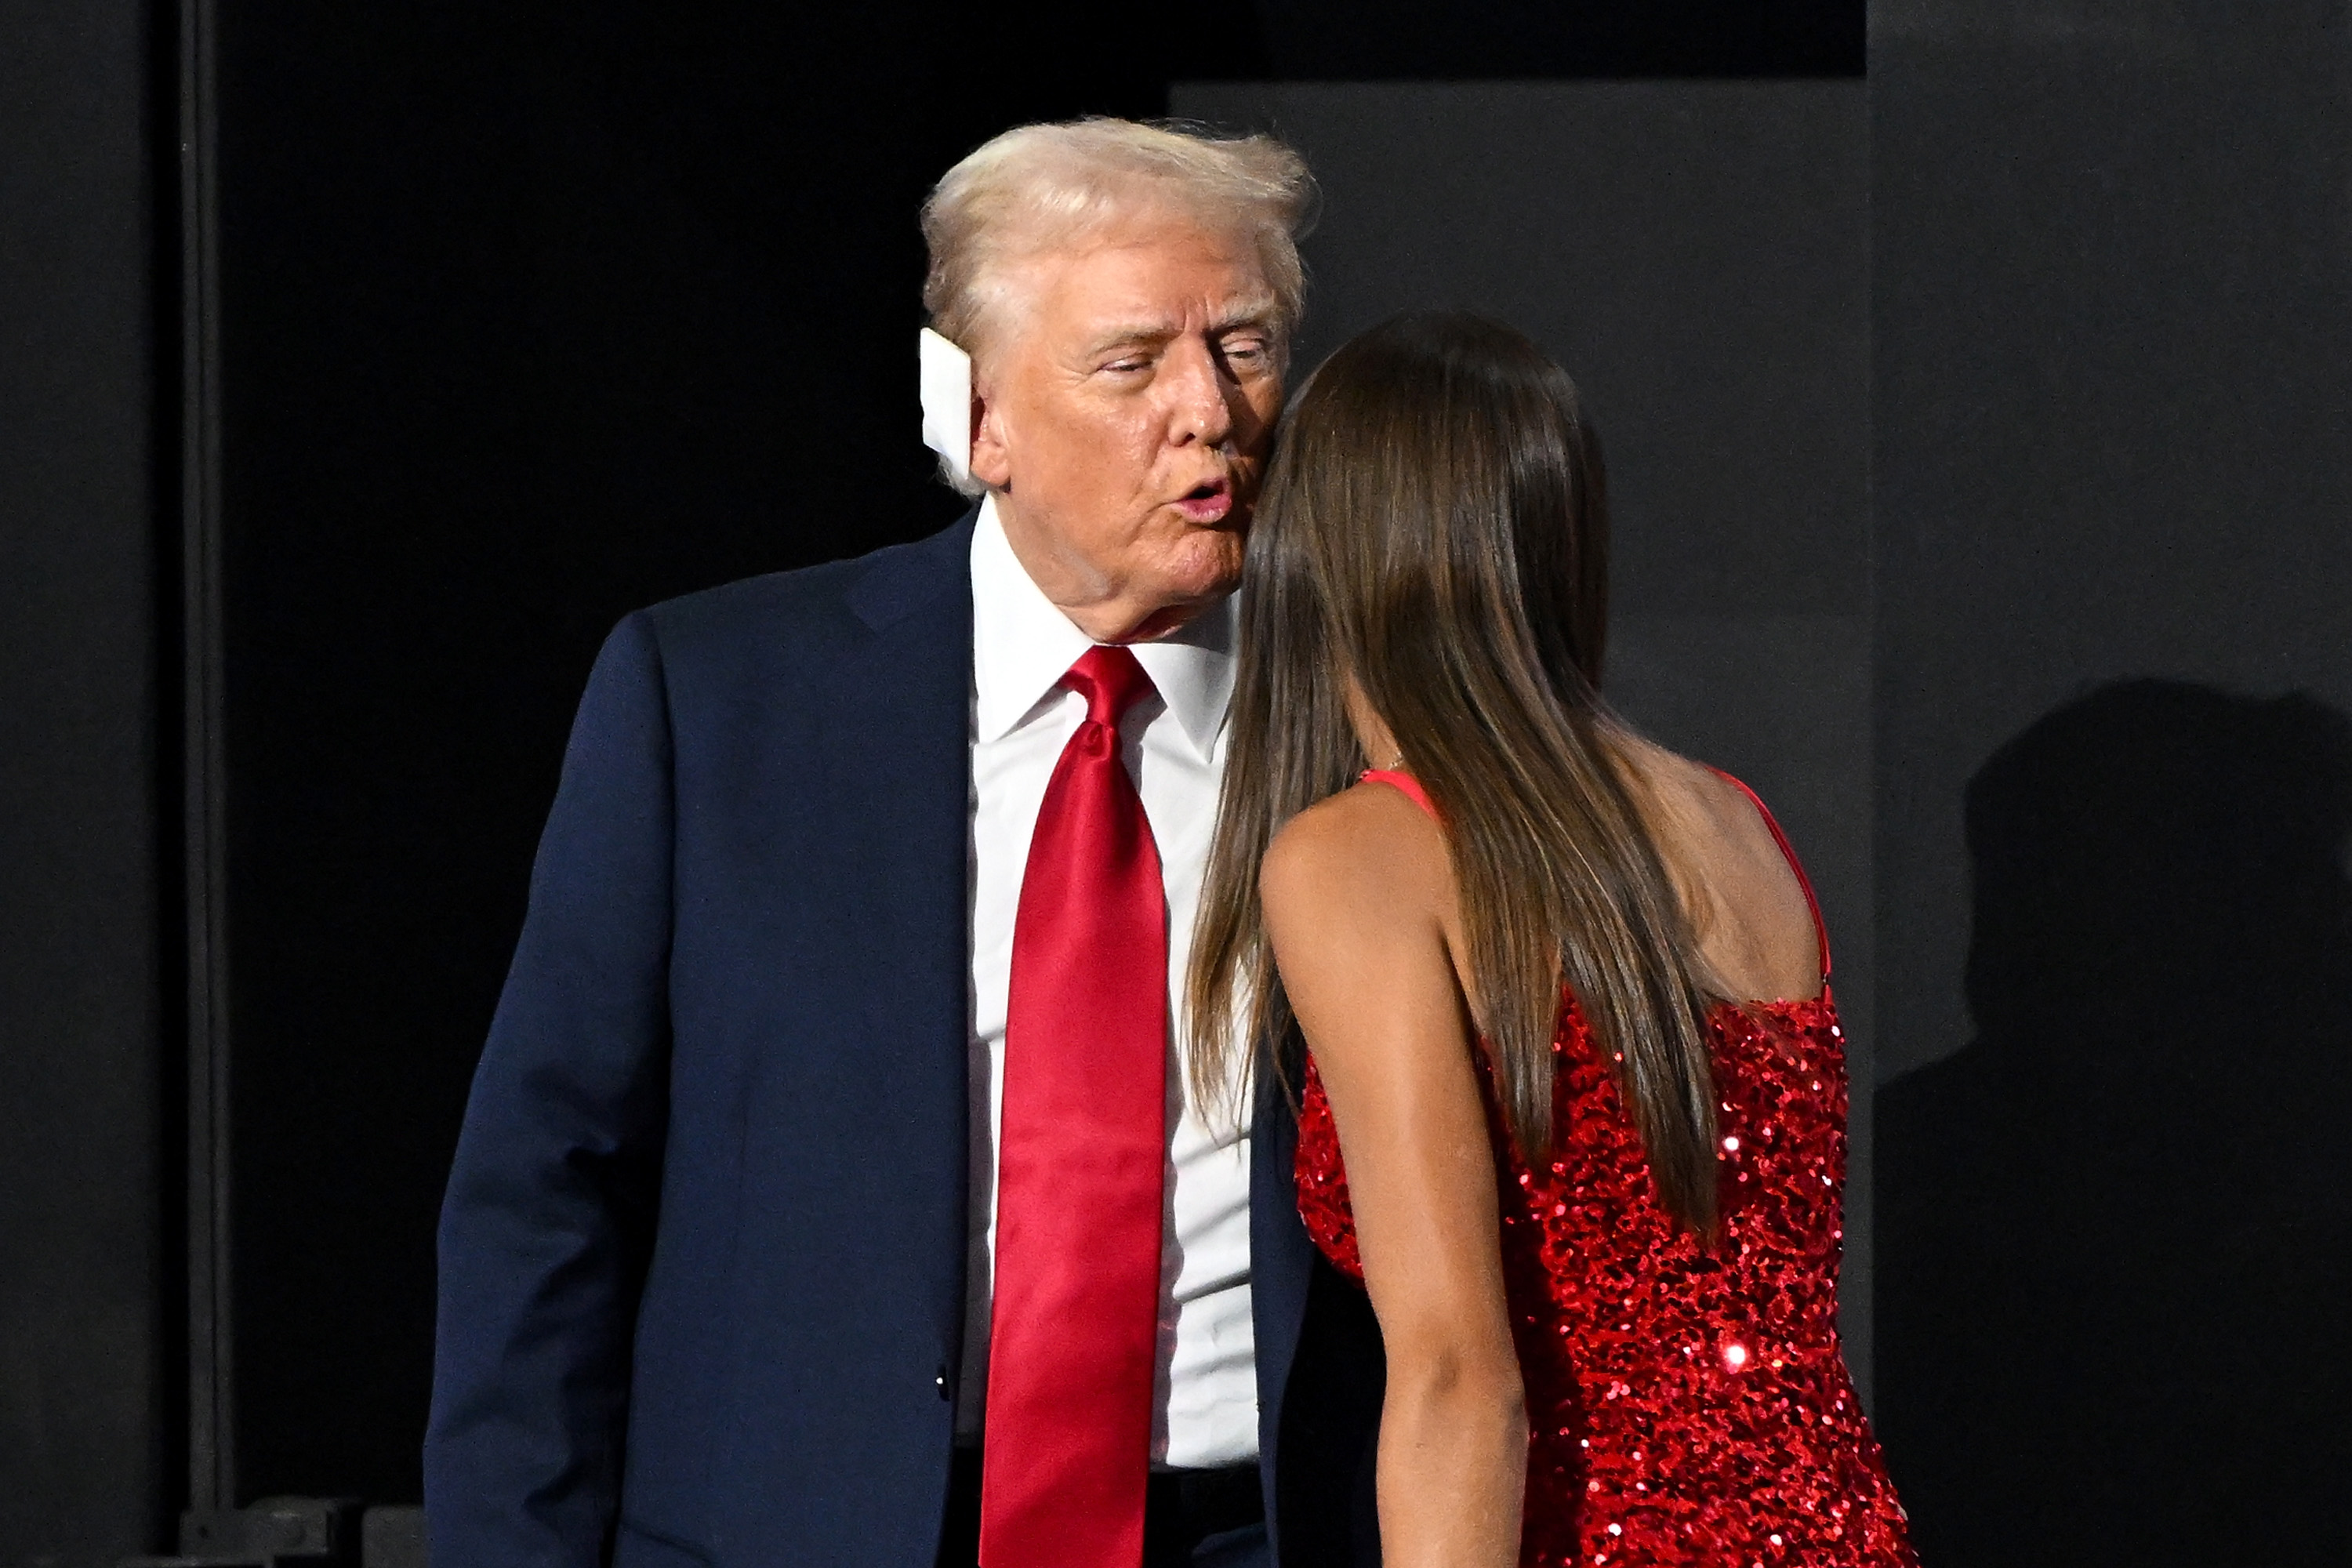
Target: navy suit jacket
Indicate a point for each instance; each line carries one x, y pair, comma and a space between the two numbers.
701, 1291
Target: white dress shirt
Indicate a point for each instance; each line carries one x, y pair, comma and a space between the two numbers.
1205, 1400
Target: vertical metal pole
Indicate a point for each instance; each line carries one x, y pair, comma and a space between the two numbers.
212, 1467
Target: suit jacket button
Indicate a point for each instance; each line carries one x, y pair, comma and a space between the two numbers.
941, 1379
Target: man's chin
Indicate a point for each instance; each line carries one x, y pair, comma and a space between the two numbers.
1186, 595
1214, 555
1207, 582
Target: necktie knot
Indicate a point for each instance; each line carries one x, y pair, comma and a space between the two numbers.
1111, 679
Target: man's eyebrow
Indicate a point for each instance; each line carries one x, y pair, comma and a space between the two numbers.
1114, 336
1257, 310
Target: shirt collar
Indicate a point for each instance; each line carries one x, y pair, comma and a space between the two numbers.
1023, 644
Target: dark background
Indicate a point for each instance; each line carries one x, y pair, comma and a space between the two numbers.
2112, 524
531, 315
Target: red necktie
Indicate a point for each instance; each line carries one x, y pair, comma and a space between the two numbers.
1074, 1330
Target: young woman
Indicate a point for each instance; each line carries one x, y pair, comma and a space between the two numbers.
1552, 1002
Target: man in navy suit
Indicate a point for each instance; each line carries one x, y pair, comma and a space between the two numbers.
740, 1256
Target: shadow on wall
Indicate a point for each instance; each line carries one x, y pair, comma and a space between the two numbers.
2114, 1232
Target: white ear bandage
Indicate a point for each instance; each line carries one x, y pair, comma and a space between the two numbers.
947, 402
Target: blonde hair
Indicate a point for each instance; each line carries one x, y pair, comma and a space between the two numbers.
1037, 187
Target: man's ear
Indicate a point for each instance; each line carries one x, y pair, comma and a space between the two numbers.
991, 458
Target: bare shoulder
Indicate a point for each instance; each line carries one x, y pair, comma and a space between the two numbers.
1361, 912
1691, 804
1746, 904
1368, 849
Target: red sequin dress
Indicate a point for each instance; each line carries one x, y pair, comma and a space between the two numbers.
1685, 1406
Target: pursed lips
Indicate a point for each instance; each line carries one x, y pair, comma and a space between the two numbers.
1208, 502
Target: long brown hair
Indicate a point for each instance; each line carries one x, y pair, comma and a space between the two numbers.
1435, 523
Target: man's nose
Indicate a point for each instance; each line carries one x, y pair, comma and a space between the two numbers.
1201, 394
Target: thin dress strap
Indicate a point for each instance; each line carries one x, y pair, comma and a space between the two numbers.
1411, 787
1820, 929
1405, 781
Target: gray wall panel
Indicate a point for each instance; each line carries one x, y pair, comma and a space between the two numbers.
1696, 254
2113, 491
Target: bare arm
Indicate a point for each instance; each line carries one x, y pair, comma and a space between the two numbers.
1358, 901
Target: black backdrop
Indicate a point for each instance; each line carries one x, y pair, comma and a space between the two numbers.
532, 316
527, 315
